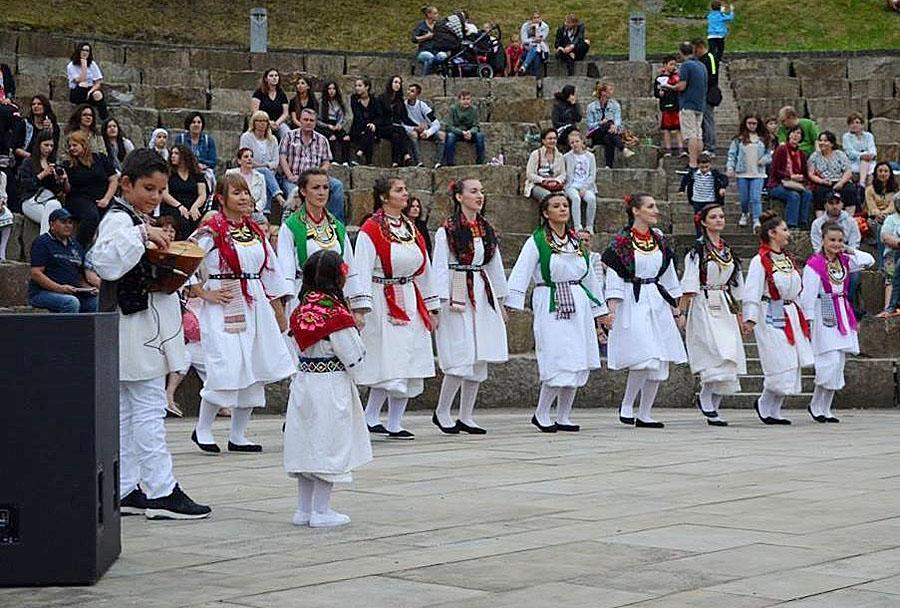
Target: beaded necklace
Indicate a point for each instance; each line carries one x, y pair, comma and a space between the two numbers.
836, 271
643, 241
321, 231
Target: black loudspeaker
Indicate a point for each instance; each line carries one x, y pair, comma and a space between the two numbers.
59, 459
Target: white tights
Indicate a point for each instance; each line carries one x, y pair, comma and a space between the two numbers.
564, 396
770, 404
709, 401
639, 381
314, 494
240, 419
820, 404
468, 390
4, 241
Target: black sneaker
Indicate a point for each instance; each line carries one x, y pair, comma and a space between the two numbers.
176, 505
135, 503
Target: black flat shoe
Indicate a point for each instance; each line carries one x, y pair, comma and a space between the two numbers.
543, 429
450, 430
625, 419
206, 447
820, 419
471, 430
648, 425
832, 419
758, 415
716, 422
248, 448
568, 428
704, 412
378, 429
782, 421
401, 434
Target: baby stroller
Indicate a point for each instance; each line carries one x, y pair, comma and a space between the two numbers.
476, 55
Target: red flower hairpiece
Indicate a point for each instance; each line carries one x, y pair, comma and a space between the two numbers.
628, 199
345, 270
451, 186
697, 219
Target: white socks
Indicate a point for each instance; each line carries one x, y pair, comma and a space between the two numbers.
770, 404
304, 501
449, 387
636, 380
467, 401
240, 418
545, 400
4, 241
396, 407
648, 396
707, 399
314, 505
564, 404
376, 400
820, 404
205, 420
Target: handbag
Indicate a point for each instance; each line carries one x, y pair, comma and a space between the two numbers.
794, 185
552, 185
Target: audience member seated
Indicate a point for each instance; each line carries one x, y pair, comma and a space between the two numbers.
159, 142
604, 123
203, 146
581, 181
423, 35
787, 179
880, 195
304, 149
422, 124
393, 128
60, 281
85, 78
788, 119
333, 122
185, 198
303, 98
566, 115
534, 34
90, 186
463, 125
828, 170
259, 138
41, 181
859, 146
368, 112
39, 118
255, 181
515, 53
7, 84
271, 99
6, 217
84, 120
116, 144
571, 45
546, 168
890, 236
415, 211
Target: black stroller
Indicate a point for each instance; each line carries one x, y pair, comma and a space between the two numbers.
480, 54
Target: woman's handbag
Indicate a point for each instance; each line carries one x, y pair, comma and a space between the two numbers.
794, 185
552, 185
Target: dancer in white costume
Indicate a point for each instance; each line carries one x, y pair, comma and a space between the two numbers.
826, 278
641, 290
394, 287
771, 309
467, 274
325, 435
241, 318
568, 308
712, 285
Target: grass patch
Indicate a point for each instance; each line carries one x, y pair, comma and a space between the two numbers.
688, 8
385, 25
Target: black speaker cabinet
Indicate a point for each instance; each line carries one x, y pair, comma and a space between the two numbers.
59, 448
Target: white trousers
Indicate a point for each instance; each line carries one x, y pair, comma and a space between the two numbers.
143, 454
40, 212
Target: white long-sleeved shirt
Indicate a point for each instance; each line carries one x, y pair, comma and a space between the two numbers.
421, 114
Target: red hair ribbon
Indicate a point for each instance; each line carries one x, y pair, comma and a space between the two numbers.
451, 186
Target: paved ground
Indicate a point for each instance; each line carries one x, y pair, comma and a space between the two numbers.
690, 516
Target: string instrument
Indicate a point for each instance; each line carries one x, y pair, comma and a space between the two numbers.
169, 269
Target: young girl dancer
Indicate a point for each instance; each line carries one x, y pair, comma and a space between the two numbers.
641, 289
325, 434
824, 300
566, 302
468, 277
712, 285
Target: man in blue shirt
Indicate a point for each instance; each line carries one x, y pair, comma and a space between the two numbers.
59, 279
691, 101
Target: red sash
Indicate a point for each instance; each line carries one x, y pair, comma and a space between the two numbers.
764, 257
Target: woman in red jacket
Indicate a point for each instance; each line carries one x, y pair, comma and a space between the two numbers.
787, 179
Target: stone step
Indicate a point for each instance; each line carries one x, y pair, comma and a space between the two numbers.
14, 278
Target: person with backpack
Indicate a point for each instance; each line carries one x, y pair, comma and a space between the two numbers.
713, 94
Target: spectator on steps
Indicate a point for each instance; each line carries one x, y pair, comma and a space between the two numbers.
859, 146
787, 179
117, 145
669, 123
85, 78
416, 212
91, 182
203, 146
546, 169
705, 186
566, 115
41, 181
463, 124
880, 196
515, 52
423, 36
788, 119
692, 89
368, 112
393, 129
60, 281
255, 181
334, 122
159, 142
828, 170
748, 157
6, 217
185, 198
271, 99
534, 34
84, 119
713, 94
422, 125
890, 236
7, 85
39, 118
570, 44
604, 123
303, 98
259, 138
581, 181
717, 20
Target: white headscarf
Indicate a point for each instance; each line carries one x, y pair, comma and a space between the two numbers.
152, 143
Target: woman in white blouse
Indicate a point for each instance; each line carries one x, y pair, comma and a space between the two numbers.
85, 78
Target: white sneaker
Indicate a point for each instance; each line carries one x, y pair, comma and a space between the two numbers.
744, 219
328, 519
627, 152
756, 225
301, 518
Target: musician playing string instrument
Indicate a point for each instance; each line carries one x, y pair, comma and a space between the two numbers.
150, 341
